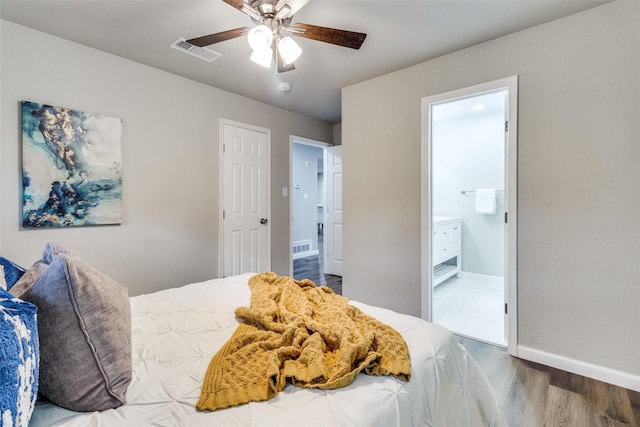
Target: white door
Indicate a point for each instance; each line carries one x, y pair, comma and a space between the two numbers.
333, 221
245, 178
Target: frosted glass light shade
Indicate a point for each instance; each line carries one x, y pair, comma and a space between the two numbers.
262, 56
289, 50
260, 37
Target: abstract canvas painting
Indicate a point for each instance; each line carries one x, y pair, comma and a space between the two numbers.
71, 167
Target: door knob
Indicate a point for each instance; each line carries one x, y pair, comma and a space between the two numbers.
263, 221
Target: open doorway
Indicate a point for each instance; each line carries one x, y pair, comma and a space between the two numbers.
310, 238
469, 213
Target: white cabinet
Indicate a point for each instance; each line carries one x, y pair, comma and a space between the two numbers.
446, 248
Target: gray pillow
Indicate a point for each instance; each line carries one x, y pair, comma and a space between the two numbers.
52, 250
84, 324
28, 278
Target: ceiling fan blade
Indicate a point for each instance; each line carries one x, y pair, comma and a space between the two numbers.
246, 8
235, 3
344, 38
218, 37
294, 6
281, 67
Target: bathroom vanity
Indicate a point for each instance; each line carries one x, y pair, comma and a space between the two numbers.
446, 248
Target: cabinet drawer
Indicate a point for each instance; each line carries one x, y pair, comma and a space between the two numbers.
446, 241
448, 231
448, 249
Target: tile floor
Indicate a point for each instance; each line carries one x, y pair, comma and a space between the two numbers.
472, 306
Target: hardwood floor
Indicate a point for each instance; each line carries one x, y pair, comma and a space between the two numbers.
312, 268
536, 395
531, 395
307, 268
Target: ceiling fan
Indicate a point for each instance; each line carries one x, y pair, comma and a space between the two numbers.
266, 39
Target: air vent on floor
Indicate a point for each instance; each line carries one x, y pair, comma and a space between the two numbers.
193, 50
303, 248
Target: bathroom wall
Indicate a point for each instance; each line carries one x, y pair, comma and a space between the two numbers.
468, 153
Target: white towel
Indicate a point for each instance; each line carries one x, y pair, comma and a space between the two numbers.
486, 201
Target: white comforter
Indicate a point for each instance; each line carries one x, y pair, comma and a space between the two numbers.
176, 332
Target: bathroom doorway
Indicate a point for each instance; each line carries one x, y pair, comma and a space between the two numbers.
469, 214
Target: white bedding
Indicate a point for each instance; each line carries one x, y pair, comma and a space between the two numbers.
176, 332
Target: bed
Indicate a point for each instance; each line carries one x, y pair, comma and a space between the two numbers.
176, 332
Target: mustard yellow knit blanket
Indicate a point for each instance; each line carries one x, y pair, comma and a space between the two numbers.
297, 332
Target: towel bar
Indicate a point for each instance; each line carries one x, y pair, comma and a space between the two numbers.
471, 191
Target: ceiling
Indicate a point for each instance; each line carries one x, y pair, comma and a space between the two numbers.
399, 34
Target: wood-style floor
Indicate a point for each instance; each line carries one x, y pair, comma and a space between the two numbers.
531, 395
536, 395
312, 268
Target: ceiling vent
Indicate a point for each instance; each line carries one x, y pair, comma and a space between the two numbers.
199, 52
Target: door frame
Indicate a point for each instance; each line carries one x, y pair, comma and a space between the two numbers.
221, 188
511, 208
293, 139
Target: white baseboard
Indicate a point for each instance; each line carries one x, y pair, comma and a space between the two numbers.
608, 375
305, 254
480, 276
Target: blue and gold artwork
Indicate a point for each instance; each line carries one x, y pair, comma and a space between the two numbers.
71, 167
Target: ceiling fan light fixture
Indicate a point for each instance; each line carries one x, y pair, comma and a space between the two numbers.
262, 56
272, 17
260, 37
289, 50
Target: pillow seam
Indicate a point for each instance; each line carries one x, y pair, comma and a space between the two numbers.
85, 332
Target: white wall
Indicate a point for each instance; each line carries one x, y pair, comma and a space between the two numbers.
468, 153
578, 182
305, 210
170, 160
